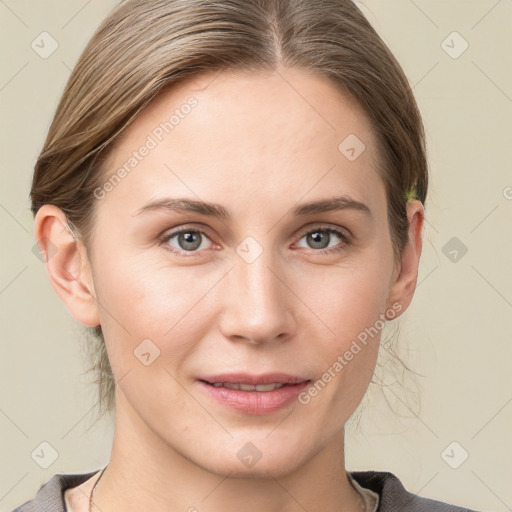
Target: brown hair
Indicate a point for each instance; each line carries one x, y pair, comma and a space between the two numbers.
144, 45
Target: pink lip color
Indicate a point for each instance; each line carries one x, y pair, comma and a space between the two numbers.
255, 402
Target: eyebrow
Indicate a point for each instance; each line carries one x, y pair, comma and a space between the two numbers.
185, 205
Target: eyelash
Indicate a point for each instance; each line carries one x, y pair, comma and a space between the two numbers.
346, 241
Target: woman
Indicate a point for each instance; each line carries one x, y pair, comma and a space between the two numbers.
231, 197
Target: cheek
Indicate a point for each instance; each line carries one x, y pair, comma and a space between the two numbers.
150, 323
143, 300
346, 301
346, 353
345, 319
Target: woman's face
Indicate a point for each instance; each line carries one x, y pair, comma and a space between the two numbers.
259, 284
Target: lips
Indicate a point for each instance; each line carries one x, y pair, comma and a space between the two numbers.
254, 394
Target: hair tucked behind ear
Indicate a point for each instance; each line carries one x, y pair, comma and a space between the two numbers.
145, 45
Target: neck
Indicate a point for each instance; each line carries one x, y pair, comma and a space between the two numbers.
145, 473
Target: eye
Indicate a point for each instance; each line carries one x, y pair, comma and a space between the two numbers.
188, 240
321, 237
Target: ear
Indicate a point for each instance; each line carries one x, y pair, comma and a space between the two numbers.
405, 276
67, 264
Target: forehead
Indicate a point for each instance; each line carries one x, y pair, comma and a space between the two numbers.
222, 136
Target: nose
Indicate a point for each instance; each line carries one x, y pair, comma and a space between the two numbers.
258, 305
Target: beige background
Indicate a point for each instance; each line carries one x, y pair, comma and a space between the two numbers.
457, 333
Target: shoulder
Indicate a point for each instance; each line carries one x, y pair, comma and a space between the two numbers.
394, 497
50, 496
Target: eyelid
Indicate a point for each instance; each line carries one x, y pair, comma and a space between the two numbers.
322, 226
172, 232
342, 232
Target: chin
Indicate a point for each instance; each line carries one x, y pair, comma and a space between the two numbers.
269, 470
251, 462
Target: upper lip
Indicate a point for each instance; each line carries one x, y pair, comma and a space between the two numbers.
247, 378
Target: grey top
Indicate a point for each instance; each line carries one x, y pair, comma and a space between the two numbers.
393, 497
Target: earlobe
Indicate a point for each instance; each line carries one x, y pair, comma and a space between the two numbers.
404, 284
67, 264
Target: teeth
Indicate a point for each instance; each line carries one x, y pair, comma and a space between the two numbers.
268, 387
248, 387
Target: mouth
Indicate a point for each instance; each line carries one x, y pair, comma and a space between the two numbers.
250, 382
254, 394
247, 387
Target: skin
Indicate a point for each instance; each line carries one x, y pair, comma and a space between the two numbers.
259, 147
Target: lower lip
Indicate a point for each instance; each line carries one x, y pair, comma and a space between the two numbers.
255, 402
